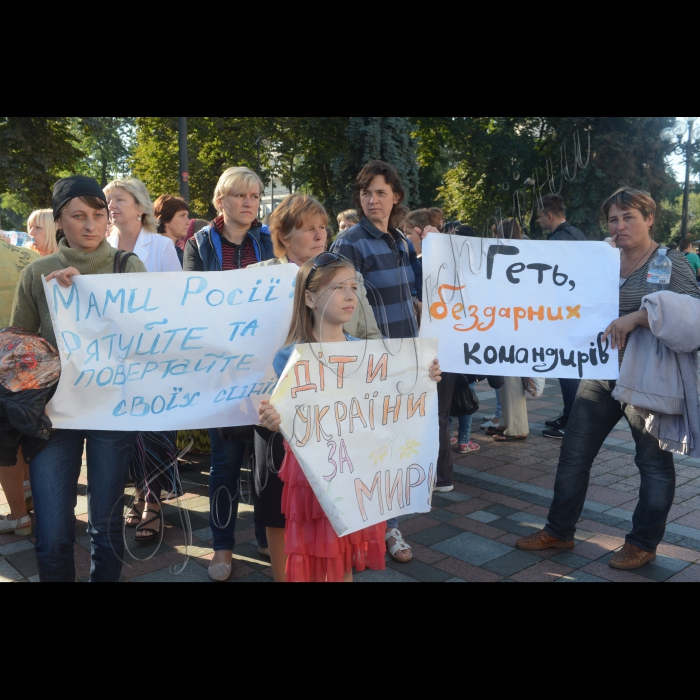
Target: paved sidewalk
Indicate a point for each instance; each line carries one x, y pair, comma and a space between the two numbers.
501, 494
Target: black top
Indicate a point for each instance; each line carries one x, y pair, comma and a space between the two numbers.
567, 232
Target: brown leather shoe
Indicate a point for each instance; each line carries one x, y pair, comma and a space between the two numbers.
630, 558
543, 540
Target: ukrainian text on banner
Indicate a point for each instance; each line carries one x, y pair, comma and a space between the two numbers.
169, 351
521, 308
363, 424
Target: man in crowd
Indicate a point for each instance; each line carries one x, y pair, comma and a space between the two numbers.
694, 260
552, 219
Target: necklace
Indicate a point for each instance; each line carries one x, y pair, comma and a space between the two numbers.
637, 264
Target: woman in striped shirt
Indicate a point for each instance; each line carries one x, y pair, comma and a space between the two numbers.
631, 215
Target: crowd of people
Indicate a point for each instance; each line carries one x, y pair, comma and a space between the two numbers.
367, 283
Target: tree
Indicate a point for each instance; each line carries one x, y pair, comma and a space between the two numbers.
33, 151
488, 160
106, 143
215, 144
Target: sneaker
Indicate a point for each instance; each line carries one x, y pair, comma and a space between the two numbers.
491, 426
554, 434
443, 489
556, 424
468, 449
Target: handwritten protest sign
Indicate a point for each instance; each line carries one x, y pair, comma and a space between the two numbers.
363, 424
171, 351
521, 308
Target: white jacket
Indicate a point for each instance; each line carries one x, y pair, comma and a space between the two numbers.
156, 252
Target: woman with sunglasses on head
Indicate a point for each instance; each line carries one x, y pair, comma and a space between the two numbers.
325, 300
299, 231
80, 212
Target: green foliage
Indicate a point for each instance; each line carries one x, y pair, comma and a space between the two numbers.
488, 159
33, 151
214, 144
106, 143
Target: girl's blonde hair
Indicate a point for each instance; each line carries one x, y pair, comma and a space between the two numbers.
44, 218
236, 181
138, 191
302, 329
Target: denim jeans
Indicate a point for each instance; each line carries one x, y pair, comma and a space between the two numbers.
464, 425
224, 489
445, 466
499, 408
54, 478
594, 417
569, 389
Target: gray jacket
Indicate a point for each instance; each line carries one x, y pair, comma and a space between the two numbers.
659, 375
363, 324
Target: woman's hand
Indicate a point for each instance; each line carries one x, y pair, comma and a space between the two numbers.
424, 232
269, 418
64, 277
618, 330
435, 372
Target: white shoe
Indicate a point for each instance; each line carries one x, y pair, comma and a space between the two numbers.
20, 528
490, 425
220, 573
443, 489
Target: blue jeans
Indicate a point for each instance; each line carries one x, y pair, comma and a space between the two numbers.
569, 389
594, 417
465, 424
54, 478
499, 408
224, 489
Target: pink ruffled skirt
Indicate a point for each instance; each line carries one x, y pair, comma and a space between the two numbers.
315, 553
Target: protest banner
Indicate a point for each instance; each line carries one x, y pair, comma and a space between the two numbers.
363, 423
168, 351
521, 308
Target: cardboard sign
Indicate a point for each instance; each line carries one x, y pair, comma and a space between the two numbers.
363, 424
521, 308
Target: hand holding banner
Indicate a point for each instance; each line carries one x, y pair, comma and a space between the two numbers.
521, 308
363, 424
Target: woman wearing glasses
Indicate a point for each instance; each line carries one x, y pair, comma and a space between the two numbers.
299, 232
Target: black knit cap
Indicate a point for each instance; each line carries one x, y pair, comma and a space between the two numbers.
72, 187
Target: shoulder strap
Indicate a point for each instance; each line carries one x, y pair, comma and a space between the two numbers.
120, 260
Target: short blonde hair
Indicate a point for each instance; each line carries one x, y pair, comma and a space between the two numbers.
236, 181
138, 191
349, 215
44, 218
292, 214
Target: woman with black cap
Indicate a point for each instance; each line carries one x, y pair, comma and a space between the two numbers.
81, 215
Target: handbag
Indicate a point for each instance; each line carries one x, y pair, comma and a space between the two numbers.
535, 387
464, 401
494, 382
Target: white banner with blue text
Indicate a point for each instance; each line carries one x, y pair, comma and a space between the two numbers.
169, 351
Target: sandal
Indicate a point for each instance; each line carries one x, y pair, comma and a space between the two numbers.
508, 438
400, 546
153, 534
455, 441
138, 517
468, 449
493, 432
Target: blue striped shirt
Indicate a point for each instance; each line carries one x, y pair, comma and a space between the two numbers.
384, 261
